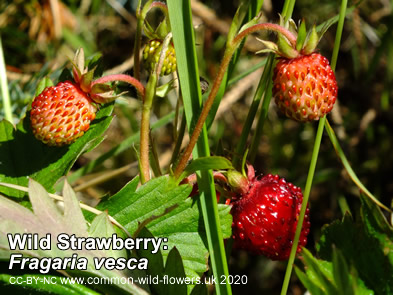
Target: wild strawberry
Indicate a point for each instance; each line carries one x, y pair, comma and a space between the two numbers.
62, 113
151, 56
304, 85
304, 88
265, 217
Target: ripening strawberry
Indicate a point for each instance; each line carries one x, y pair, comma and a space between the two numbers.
265, 216
304, 85
60, 114
151, 56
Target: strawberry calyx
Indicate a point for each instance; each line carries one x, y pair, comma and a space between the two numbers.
99, 90
306, 41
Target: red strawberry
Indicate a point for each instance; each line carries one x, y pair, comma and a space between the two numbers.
265, 217
61, 114
305, 87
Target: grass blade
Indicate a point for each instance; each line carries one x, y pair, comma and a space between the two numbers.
183, 37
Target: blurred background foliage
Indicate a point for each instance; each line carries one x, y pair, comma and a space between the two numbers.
39, 37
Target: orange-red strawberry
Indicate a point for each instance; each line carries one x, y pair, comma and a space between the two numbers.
304, 88
304, 85
265, 217
61, 114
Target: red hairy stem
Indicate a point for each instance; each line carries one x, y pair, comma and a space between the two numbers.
266, 26
217, 82
124, 78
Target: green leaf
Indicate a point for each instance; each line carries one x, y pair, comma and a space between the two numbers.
174, 269
206, 163
156, 264
46, 82
43, 283
364, 246
320, 272
46, 219
22, 155
341, 274
182, 226
101, 227
310, 285
330, 278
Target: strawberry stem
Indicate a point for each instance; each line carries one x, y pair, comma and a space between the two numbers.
145, 128
231, 48
266, 26
124, 78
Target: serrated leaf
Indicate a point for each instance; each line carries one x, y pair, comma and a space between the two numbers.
183, 226
102, 227
47, 164
365, 247
48, 220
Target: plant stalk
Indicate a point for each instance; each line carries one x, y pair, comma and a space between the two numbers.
145, 128
217, 82
4, 87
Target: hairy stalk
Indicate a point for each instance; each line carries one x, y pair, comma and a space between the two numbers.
124, 78
145, 128
314, 158
217, 82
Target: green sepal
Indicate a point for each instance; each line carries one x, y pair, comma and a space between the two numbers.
301, 37
285, 49
106, 97
270, 46
100, 88
292, 26
163, 90
148, 30
79, 61
163, 29
86, 80
311, 42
